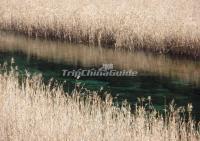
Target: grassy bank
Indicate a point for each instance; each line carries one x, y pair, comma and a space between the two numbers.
160, 26
31, 110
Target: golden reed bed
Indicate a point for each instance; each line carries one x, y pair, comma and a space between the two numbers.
164, 26
31, 110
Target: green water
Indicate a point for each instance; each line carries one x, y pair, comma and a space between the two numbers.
161, 77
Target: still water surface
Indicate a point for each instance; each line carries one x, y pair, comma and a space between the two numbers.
161, 77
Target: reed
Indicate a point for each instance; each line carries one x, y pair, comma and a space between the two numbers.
32, 110
152, 25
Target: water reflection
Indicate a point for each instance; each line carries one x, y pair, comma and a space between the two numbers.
160, 76
81, 55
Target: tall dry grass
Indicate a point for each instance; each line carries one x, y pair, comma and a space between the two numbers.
31, 110
167, 26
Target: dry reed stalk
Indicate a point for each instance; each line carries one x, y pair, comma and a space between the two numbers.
35, 111
161, 26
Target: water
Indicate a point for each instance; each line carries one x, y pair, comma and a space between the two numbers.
161, 77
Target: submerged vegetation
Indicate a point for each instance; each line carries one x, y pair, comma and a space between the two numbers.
168, 26
32, 110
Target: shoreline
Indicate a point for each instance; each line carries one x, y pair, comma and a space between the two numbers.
177, 50
167, 27
58, 51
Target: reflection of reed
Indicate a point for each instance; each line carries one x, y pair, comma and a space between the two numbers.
78, 54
